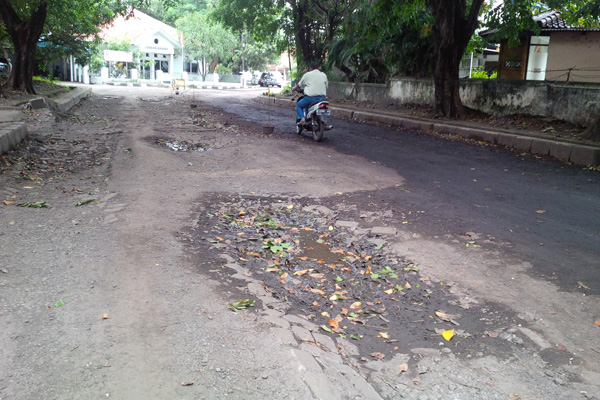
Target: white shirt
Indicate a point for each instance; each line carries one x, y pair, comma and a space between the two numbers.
314, 83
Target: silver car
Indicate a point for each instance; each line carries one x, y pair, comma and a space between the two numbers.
4, 69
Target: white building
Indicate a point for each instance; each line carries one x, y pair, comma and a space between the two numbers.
156, 48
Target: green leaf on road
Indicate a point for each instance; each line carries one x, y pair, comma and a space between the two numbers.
84, 202
241, 304
59, 303
37, 204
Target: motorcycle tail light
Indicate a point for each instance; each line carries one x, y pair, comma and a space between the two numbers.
323, 105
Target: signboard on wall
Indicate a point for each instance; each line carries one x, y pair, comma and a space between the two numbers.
118, 56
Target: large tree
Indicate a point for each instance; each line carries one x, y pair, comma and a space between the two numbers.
26, 21
206, 41
379, 40
455, 22
305, 27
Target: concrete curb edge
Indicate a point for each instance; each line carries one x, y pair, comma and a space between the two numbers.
13, 134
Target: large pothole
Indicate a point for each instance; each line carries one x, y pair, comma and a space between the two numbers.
346, 280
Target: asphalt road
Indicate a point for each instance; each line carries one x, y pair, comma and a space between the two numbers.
125, 296
536, 210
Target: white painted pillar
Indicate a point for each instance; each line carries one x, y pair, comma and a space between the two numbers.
86, 75
104, 74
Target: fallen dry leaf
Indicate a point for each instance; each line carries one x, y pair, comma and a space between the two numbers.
377, 355
317, 276
105, 316
334, 324
8, 202
300, 273
319, 291
355, 305
540, 211
492, 334
184, 383
561, 347
448, 334
384, 335
514, 396
402, 368
598, 322
284, 275
448, 317
220, 238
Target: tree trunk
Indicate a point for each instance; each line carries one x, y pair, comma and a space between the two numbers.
593, 132
303, 36
25, 35
452, 30
348, 73
446, 82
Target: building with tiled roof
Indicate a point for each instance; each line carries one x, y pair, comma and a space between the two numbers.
560, 52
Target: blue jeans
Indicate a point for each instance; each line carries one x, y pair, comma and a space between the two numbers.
304, 102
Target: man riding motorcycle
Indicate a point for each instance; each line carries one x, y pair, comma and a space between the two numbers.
315, 86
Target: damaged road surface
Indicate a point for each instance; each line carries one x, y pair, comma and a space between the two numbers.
181, 253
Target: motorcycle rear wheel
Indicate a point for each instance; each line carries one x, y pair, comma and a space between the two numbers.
318, 129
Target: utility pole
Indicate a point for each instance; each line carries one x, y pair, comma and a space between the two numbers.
242, 38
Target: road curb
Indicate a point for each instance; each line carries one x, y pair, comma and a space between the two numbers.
68, 101
13, 134
564, 151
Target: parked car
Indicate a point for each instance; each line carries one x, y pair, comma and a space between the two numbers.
4, 67
262, 81
255, 77
274, 79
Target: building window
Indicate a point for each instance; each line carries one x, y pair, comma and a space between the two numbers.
513, 64
155, 41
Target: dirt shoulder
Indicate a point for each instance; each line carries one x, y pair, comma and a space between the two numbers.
11, 98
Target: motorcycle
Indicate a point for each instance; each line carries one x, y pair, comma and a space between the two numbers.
315, 118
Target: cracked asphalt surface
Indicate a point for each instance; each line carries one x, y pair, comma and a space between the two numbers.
189, 208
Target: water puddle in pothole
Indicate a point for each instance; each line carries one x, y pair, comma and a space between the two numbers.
182, 145
314, 248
